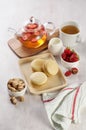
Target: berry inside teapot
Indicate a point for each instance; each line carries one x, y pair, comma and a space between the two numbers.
33, 34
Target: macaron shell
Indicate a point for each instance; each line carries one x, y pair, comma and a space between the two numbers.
36, 64
38, 78
51, 67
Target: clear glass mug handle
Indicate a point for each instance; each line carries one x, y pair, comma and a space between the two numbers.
50, 27
78, 39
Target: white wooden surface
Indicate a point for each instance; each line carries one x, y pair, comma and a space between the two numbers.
31, 114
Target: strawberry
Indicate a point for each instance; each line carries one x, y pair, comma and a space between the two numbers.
42, 28
37, 33
21, 39
29, 35
63, 56
70, 55
32, 26
34, 40
25, 35
74, 70
74, 57
67, 59
67, 51
68, 73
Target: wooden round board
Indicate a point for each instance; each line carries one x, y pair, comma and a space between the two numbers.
23, 52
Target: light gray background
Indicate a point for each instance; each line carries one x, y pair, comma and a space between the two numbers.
31, 114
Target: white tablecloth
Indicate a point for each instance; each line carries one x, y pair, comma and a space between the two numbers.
31, 114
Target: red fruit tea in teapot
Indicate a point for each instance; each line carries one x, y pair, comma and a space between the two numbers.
33, 34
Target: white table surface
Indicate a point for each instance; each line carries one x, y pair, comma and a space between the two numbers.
31, 114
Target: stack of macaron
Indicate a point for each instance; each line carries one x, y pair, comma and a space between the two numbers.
42, 69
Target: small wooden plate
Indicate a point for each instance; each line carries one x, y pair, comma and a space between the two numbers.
54, 82
22, 52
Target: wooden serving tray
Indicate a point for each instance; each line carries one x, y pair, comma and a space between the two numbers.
54, 82
22, 52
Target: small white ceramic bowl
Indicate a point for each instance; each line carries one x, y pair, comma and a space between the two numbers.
55, 46
70, 65
16, 81
19, 93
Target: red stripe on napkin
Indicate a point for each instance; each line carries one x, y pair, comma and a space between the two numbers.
68, 88
74, 102
44, 101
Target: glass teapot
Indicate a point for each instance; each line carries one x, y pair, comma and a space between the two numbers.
34, 34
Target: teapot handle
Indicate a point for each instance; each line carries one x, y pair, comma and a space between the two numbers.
50, 27
11, 30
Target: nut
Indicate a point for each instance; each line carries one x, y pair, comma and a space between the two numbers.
21, 81
16, 84
20, 87
11, 88
20, 98
13, 100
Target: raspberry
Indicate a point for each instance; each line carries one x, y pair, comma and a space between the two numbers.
74, 70
68, 73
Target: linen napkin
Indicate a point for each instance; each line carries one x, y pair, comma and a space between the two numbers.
63, 108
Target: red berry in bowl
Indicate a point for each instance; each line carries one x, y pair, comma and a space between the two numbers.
70, 55
70, 59
74, 57
67, 51
63, 56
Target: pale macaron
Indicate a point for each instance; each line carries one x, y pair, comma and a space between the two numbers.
37, 64
50, 67
38, 78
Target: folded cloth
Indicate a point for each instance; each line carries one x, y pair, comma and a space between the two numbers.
63, 107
